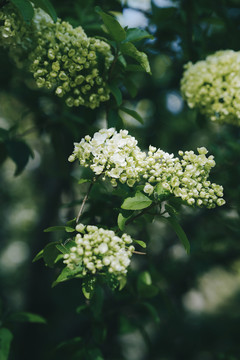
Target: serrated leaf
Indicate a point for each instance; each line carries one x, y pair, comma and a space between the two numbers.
137, 34
20, 153
137, 202
5, 341
141, 243
26, 317
130, 50
132, 113
116, 93
47, 7
38, 256
59, 228
67, 274
115, 30
25, 8
179, 231
50, 254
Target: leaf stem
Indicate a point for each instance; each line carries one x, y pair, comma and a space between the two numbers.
140, 214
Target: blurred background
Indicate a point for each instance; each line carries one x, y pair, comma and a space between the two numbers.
195, 313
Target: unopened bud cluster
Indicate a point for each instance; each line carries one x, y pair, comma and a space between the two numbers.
100, 251
213, 86
61, 58
117, 156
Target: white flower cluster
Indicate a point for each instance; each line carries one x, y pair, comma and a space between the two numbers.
114, 154
117, 156
213, 86
99, 250
185, 178
61, 58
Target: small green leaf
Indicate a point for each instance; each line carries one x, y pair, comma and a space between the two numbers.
47, 7
26, 317
122, 220
141, 243
5, 341
59, 228
137, 34
138, 202
163, 194
145, 287
130, 86
179, 231
65, 248
144, 278
38, 256
88, 287
115, 30
82, 181
132, 113
68, 274
20, 153
130, 50
116, 93
25, 8
50, 254
122, 282
134, 68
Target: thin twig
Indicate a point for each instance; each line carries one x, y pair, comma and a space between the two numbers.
86, 198
139, 252
28, 131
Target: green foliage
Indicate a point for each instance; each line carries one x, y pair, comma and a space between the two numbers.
5, 342
137, 202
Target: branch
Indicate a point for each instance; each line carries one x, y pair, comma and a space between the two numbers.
86, 198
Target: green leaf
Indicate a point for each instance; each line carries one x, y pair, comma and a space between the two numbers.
179, 231
5, 341
26, 317
60, 228
141, 243
122, 282
134, 68
82, 181
20, 153
97, 301
130, 50
25, 8
114, 120
137, 34
68, 274
144, 278
116, 93
38, 256
50, 254
69, 345
137, 202
3, 152
47, 7
65, 248
88, 287
115, 30
131, 86
122, 220
132, 113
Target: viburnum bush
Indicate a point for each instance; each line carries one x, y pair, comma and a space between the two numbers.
75, 73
